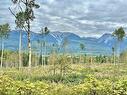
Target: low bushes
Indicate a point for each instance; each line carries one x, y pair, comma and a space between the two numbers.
90, 86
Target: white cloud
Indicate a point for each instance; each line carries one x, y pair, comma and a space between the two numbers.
83, 17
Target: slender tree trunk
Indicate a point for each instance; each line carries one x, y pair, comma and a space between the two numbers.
115, 52
118, 51
45, 54
71, 58
54, 71
91, 60
61, 69
114, 57
44, 49
20, 50
36, 59
28, 34
29, 45
2, 52
80, 57
41, 55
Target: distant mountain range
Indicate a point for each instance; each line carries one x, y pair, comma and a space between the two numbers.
95, 46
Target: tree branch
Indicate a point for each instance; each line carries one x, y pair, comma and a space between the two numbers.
23, 2
12, 12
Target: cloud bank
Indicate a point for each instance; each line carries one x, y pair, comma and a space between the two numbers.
82, 17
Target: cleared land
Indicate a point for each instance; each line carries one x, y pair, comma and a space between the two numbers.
77, 79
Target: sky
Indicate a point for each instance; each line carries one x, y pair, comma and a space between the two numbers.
86, 18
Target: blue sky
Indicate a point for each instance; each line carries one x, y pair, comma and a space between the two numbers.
83, 17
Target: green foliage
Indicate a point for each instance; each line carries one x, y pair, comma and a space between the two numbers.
25, 59
120, 87
10, 87
4, 29
119, 33
20, 20
40, 60
82, 46
27, 14
123, 57
101, 59
90, 86
44, 31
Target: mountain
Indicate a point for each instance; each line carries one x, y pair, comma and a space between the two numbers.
94, 46
111, 41
52, 38
107, 39
89, 38
60, 36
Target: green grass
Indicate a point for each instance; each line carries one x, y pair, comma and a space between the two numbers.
79, 79
75, 71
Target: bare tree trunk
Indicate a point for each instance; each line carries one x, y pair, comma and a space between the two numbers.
2, 52
118, 51
71, 59
91, 60
114, 59
29, 45
44, 50
80, 57
115, 53
41, 55
45, 53
28, 34
61, 70
36, 59
20, 50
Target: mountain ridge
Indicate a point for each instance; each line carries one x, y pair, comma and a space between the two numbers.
102, 45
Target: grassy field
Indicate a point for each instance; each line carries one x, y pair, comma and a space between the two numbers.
78, 79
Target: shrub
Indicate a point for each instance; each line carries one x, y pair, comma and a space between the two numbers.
90, 86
